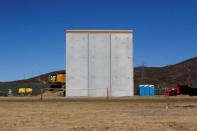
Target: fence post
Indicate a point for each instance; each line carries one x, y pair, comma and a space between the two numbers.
107, 93
166, 94
41, 94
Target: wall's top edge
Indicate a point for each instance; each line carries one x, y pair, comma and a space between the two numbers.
98, 31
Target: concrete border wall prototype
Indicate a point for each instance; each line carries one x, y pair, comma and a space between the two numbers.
99, 63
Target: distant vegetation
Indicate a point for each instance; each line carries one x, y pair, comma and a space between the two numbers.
172, 75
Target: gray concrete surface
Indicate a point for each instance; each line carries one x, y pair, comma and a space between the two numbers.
99, 60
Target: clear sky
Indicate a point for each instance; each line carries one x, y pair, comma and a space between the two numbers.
32, 39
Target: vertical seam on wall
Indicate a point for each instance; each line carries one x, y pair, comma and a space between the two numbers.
110, 66
66, 67
88, 65
132, 61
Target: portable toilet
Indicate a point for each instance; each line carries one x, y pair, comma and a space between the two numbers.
151, 90
141, 90
146, 90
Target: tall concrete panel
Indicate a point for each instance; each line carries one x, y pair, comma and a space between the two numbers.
121, 65
99, 62
76, 64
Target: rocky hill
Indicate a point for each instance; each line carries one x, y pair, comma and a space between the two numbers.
37, 79
182, 73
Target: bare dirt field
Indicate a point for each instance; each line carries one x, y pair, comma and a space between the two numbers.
126, 114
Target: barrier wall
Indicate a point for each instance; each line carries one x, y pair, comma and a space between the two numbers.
99, 59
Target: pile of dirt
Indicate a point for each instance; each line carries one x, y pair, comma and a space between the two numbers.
52, 93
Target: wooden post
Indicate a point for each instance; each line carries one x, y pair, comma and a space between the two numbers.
41, 94
107, 93
166, 94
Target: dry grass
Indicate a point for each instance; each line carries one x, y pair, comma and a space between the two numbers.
99, 115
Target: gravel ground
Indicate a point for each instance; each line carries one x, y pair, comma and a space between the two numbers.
98, 114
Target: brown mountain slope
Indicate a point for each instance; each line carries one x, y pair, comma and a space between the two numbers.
37, 79
181, 73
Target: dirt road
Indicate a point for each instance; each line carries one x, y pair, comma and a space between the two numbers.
99, 115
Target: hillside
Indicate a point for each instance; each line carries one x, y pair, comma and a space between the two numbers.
37, 79
180, 73
35, 83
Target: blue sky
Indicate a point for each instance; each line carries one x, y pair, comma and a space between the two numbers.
32, 39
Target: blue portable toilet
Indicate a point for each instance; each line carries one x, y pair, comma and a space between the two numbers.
151, 90
146, 90
141, 90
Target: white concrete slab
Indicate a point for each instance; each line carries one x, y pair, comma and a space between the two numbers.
121, 65
77, 64
99, 64
97, 60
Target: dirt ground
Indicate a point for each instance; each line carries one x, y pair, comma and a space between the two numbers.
126, 114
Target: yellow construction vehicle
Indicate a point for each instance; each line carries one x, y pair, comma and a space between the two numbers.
57, 82
25, 91
57, 78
